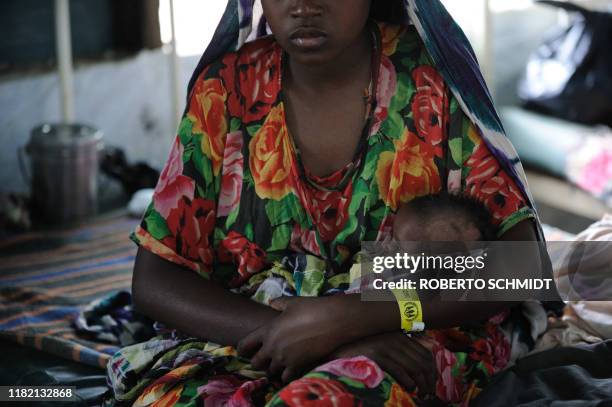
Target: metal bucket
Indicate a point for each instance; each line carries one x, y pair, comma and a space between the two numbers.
64, 172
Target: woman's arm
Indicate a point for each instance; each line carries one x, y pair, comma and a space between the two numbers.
329, 322
381, 317
183, 300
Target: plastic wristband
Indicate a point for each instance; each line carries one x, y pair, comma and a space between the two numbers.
411, 312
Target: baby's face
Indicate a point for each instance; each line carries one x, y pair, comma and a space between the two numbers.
445, 226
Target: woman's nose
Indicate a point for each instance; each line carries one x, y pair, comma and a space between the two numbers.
306, 9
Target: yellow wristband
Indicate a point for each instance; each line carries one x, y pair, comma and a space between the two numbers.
411, 311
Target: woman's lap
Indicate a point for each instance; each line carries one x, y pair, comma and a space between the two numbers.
184, 372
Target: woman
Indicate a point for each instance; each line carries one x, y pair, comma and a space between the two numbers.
308, 141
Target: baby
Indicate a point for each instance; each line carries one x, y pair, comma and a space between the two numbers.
428, 219
441, 218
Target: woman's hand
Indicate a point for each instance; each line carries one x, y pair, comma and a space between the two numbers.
302, 336
404, 358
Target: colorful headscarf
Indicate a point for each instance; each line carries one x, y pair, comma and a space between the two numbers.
448, 47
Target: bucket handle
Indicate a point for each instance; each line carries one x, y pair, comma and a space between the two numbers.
21, 153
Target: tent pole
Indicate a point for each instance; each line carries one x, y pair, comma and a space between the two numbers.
175, 68
489, 47
63, 45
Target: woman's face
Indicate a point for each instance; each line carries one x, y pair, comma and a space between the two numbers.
316, 31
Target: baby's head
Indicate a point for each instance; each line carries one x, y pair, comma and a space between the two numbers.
443, 218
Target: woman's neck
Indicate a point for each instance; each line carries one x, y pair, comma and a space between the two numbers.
350, 67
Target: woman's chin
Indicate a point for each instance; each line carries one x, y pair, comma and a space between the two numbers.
312, 58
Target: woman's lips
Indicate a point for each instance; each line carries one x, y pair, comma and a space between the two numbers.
308, 38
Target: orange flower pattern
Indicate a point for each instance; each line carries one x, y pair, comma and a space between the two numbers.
270, 158
408, 172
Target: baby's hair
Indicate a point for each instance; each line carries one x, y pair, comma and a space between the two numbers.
472, 210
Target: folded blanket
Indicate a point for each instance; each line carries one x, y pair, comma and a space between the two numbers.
47, 277
112, 319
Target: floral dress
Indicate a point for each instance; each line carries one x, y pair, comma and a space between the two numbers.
234, 198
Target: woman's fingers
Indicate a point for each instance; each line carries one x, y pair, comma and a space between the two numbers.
396, 369
261, 361
431, 382
429, 365
418, 367
408, 362
289, 374
250, 344
421, 350
422, 382
276, 368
